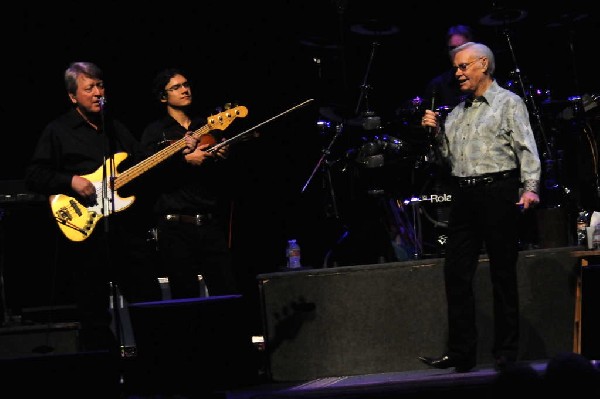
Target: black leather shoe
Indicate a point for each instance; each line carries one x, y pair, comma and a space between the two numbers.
446, 361
503, 362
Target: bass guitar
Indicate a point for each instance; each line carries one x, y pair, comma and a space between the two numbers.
77, 221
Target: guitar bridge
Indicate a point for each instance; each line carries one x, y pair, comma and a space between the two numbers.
63, 215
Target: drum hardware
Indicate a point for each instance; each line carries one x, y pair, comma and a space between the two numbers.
579, 105
414, 226
323, 126
417, 204
374, 152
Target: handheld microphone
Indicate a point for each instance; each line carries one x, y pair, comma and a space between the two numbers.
102, 102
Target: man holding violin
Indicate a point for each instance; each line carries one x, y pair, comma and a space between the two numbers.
186, 196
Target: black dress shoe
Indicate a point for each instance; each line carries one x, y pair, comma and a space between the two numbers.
446, 361
503, 362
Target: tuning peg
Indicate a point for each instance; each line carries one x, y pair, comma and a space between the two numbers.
227, 105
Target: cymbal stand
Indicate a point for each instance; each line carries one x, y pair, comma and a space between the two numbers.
547, 153
5, 312
528, 98
365, 87
339, 128
326, 151
579, 110
416, 231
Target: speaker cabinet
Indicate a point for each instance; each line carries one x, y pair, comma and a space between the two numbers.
379, 318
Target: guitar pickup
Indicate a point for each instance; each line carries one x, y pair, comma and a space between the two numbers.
75, 206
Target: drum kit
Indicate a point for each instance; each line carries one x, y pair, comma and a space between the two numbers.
393, 163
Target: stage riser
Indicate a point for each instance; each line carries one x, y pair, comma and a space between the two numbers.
380, 318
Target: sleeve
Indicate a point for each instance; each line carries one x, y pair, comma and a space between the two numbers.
43, 174
525, 148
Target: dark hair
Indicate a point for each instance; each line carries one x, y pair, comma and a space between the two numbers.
462, 30
80, 68
161, 79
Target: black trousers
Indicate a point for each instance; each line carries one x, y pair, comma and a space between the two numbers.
483, 217
119, 254
187, 250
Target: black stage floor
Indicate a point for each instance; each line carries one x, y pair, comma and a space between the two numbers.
566, 374
94, 375
481, 382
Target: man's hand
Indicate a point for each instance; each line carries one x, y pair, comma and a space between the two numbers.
190, 143
83, 187
528, 200
199, 155
222, 152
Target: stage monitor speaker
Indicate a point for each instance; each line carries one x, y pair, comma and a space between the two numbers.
379, 318
187, 344
30, 340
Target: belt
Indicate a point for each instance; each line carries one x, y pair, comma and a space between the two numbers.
486, 179
198, 220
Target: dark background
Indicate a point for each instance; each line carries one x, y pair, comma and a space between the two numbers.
270, 57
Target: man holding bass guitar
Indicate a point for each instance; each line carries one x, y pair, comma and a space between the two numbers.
75, 163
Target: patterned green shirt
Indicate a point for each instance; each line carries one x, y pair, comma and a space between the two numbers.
490, 134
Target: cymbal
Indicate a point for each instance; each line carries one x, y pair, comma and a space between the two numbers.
341, 115
319, 43
567, 20
374, 27
503, 16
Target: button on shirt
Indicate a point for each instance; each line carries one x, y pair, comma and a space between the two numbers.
491, 134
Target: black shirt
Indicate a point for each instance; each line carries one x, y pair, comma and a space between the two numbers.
176, 186
69, 146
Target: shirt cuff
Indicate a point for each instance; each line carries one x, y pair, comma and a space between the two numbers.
531, 185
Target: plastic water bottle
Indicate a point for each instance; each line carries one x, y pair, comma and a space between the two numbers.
293, 254
582, 222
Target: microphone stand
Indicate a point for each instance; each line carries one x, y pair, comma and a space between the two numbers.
108, 208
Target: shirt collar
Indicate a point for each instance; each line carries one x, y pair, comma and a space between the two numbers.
487, 97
